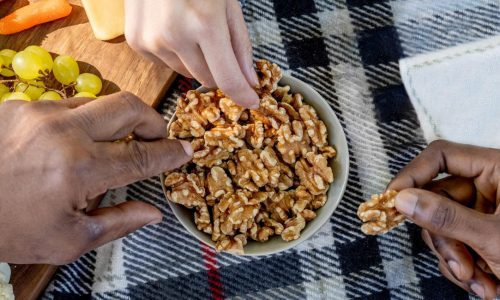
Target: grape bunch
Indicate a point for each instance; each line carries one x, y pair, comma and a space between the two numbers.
33, 75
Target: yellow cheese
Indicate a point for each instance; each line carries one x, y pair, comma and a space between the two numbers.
107, 17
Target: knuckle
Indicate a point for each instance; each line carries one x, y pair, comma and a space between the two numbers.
444, 218
92, 230
132, 103
153, 43
140, 158
52, 124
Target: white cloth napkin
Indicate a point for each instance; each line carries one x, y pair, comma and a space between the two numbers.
6, 292
456, 92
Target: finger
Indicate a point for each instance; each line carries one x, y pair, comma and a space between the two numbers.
447, 273
456, 255
483, 285
75, 102
193, 59
240, 40
443, 156
172, 60
221, 60
111, 223
459, 189
124, 163
453, 252
444, 217
481, 263
115, 116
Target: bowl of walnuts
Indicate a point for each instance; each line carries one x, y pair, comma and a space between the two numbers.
261, 181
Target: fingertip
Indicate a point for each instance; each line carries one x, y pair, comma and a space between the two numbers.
406, 202
155, 221
251, 100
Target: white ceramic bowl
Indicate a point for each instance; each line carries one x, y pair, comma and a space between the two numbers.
340, 165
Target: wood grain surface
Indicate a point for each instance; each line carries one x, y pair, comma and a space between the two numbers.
114, 61
119, 66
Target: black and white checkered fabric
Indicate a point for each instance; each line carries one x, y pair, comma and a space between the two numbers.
348, 50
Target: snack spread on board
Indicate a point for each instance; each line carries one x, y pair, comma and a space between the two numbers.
379, 214
255, 173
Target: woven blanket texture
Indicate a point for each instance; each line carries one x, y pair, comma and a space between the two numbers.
348, 50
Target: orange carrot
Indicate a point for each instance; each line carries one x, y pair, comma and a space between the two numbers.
33, 14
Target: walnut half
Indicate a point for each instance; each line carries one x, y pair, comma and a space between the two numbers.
379, 214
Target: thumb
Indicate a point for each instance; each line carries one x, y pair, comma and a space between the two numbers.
111, 223
445, 217
124, 163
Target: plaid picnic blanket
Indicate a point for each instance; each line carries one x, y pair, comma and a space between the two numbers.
348, 50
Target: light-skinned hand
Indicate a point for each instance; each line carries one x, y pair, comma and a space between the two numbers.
207, 40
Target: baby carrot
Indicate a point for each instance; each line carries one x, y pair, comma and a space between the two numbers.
33, 14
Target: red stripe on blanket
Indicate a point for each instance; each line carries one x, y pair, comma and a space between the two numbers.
214, 281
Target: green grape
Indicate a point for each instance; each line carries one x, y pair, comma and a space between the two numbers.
7, 56
65, 69
34, 89
44, 56
85, 95
4, 96
15, 96
27, 65
3, 89
87, 82
50, 95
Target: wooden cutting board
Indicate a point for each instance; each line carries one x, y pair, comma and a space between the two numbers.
114, 61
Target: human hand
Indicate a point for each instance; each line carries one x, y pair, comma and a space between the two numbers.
207, 40
57, 155
459, 213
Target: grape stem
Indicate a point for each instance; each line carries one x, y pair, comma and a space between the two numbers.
9, 80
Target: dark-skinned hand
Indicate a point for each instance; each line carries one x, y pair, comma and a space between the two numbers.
459, 214
58, 155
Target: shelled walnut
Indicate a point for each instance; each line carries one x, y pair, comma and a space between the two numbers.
379, 214
255, 174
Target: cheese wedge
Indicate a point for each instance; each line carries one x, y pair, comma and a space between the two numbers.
107, 17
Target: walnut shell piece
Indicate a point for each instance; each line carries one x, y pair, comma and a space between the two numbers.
314, 173
293, 227
316, 129
379, 214
292, 142
186, 189
231, 110
269, 75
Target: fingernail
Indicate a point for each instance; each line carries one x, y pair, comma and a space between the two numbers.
455, 268
155, 221
406, 202
187, 148
255, 78
498, 290
478, 290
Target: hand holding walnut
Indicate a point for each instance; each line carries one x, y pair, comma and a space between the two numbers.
58, 156
458, 211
